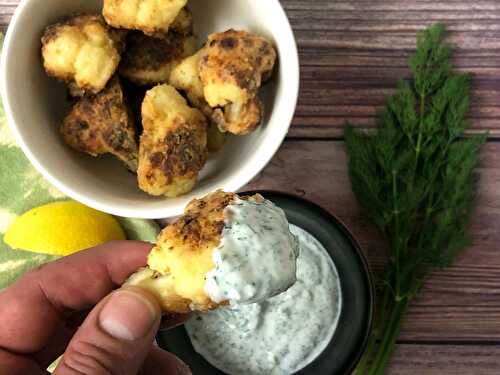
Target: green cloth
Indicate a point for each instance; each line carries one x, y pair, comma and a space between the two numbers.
23, 188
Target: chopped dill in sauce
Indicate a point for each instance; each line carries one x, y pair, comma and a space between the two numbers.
283, 334
254, 234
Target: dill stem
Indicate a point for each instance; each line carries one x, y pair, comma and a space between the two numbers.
389, 338
379, 328
396, 242
363, 364
420, 126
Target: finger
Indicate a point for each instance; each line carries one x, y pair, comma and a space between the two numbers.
18, 365
115, 338
57, 346
36, 306
60, 339
160, 362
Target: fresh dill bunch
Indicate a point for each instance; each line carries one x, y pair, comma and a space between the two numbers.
416, 180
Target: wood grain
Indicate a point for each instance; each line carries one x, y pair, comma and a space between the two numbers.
449, 359
460, 303
353, 53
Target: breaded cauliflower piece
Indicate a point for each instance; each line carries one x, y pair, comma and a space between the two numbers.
201, 261
153, 17
83, 51
173, 146
232, 66
182, 257
185, 77
103, 124
183, 254
148, 60
239, 119
183, 24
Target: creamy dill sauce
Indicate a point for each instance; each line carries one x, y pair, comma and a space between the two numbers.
256, 257
279, 336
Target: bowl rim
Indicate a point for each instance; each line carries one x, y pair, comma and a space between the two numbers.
234, 182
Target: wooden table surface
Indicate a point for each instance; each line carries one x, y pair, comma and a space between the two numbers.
352, 53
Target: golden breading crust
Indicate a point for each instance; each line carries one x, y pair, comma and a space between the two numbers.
239, 119
183, 24
82, 51
185, 77
148, 60
173, 146
103, 124
152, 17
233, 65
182, 257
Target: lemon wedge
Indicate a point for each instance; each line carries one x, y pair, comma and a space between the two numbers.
62, 228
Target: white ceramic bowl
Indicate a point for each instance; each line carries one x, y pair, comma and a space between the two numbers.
35, 106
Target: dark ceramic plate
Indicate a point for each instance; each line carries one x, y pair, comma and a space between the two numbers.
349, 341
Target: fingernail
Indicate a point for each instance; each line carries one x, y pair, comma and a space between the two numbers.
127, 315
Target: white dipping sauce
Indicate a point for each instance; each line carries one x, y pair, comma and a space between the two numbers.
256, 257
283, 334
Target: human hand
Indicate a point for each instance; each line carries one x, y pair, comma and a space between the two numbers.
69, 307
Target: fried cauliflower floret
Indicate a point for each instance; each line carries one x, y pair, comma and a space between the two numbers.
153, 17
149, 60
185, 77
173, 146
103, 124
182, 257
232, 66
83, 51
183, 24
239, 119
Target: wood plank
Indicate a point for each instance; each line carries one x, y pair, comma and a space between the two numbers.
360, 48
353, 53
445, 360
460, 303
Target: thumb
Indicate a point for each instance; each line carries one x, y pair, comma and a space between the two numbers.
115, 338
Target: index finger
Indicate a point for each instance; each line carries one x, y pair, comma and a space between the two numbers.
37, 305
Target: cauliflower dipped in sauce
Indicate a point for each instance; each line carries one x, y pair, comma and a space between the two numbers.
82, 51
149, 60
103, 124
224, 249
152, 17
173, 146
